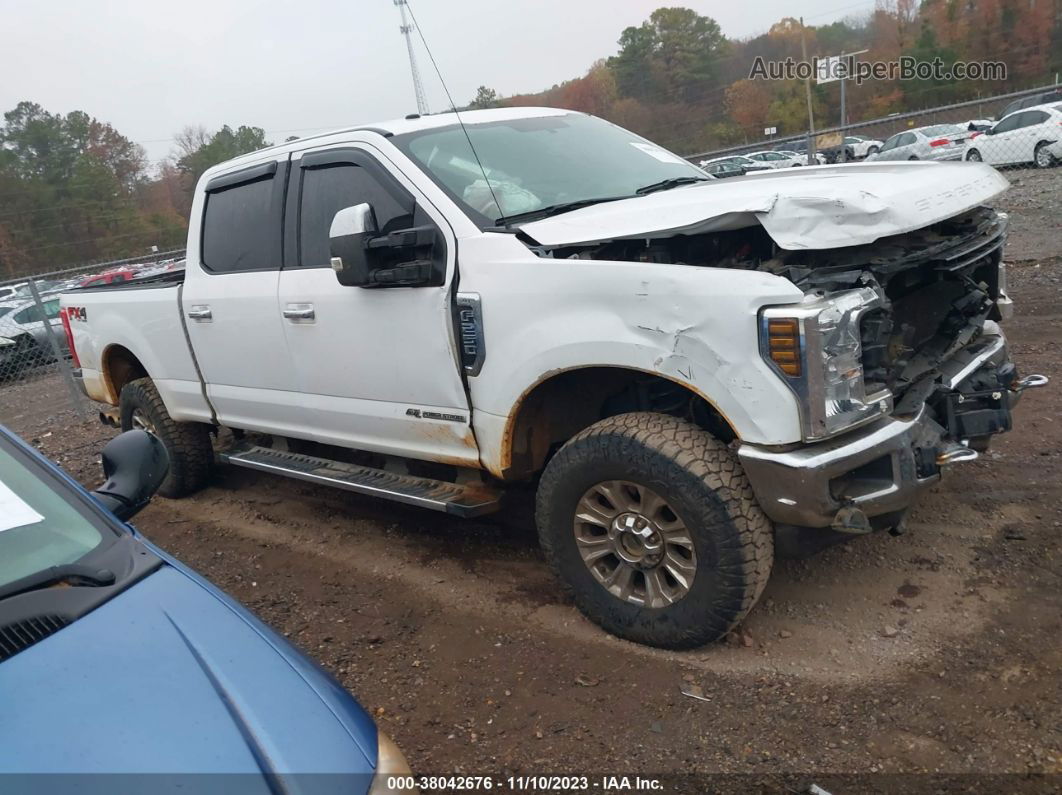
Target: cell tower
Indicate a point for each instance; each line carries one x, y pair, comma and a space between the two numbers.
418, 88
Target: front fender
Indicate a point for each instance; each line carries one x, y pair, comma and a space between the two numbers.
694, 325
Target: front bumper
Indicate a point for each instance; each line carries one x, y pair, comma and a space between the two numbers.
878, 470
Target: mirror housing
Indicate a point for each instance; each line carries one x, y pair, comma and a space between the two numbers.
363, 257
351, 230
134, 463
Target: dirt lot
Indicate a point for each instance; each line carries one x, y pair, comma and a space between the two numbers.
934, 652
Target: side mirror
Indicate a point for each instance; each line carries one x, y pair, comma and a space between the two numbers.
363, 257
351, 230
134, 463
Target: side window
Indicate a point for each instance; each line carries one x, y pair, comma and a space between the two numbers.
1009, 123
240, 227
327, 189
1033, 117
31, 314
51, 308
890, 143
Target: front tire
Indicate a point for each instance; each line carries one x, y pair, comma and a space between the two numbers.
973, 156
652, 525
188, 443
1042, 156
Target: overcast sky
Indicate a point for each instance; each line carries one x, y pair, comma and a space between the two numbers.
295, 68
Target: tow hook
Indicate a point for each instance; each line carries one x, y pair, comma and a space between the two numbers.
955, 454
1030, 382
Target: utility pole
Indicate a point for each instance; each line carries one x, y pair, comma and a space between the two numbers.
418, 87
807, 91
845, 63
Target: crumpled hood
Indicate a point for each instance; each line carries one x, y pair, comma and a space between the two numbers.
169, 678
818, 207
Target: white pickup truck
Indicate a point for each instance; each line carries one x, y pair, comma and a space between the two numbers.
688, 370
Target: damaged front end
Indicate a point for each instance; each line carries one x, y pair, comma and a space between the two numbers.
895, 356
899, 336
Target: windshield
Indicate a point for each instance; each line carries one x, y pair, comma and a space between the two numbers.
39, 526
538, 163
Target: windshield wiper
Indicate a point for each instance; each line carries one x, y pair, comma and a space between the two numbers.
668, 184
556, 209
71, 573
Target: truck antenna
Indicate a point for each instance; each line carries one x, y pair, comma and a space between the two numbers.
457, 113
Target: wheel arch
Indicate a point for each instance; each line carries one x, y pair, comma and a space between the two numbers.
561, 403
119, 366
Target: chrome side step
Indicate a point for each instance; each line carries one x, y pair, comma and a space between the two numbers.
438, 495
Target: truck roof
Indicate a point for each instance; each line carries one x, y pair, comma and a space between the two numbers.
393, 127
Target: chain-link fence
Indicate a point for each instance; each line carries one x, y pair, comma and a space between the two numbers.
37, 386
1021, 130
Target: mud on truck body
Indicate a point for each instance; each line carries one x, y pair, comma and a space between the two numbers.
688, 371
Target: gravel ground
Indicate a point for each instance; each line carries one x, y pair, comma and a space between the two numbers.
936, 652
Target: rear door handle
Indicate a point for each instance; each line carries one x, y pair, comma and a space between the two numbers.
299, 312
200, 313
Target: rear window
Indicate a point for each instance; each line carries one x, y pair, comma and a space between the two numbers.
237, 231
941, 129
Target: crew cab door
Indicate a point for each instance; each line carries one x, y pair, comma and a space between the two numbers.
230, 304
377, 366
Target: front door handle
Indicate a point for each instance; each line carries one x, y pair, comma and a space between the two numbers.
299, 312
200, 313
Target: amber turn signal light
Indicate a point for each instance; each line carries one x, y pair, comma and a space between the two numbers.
783, 344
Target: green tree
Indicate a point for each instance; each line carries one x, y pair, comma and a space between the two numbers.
485, 98
687, 47
68, 190
200, 150
632, 66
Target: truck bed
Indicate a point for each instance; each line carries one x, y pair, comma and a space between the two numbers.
131, 328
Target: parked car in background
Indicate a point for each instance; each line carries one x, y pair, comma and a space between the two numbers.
724, 170
860, 146
129, 662
115, 276
801, 148
24, 323
976, 126
778, 159
740, 161
1028, 136
1043, 98
935, 142
10, 291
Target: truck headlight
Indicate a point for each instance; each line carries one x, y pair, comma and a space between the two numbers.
816, 348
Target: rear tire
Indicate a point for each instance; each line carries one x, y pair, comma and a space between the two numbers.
188, 443
913, 157
695, 497
872, 151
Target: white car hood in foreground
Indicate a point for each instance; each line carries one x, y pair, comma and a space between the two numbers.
817, 207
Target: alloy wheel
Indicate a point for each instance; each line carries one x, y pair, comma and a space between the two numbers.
634, 544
